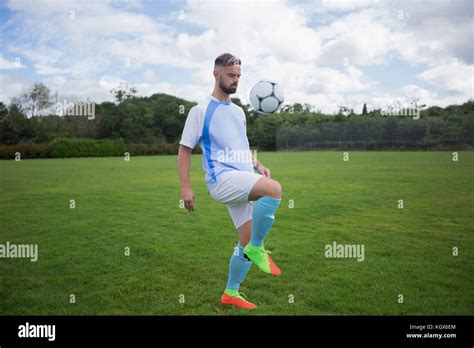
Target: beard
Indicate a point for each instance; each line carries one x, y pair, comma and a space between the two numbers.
228, 90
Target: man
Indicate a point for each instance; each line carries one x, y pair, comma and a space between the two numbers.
219, 127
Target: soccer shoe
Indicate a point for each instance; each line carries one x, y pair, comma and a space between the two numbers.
259, 256
235, 298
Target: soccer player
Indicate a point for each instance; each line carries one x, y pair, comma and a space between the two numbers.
219, 126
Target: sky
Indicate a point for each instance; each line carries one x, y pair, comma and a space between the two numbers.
324, 53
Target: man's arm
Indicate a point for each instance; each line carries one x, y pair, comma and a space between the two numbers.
184, 165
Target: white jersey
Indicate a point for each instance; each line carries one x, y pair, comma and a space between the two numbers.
220, 129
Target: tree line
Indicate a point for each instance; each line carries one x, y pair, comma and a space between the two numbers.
37, 125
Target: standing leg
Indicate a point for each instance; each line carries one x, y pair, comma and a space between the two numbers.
238, 269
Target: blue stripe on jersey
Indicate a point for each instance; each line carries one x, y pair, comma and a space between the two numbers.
206, 138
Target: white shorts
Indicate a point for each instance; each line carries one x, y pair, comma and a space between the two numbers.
232, 189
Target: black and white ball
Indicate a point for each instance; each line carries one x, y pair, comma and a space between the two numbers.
266, 97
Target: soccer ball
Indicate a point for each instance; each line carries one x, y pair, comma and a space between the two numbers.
266, 97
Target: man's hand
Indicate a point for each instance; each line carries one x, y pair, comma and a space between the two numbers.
188, 197
262, 170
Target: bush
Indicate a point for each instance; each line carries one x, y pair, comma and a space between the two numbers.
76, 147
25, 150
168, 149
155, 149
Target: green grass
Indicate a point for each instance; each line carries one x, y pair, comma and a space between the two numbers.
135, 204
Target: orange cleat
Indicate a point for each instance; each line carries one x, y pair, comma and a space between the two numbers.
237, 301
273, 267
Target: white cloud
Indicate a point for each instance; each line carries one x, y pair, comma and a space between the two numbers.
10, 87
360, 38
344, 5
253, 29
454, 77
433, 32
6, 64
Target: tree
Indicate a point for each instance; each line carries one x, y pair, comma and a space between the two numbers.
123, 92
345, 111
364, 109
15, 127
35, 99
3, 111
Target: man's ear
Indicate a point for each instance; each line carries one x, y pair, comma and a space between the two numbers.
216, 74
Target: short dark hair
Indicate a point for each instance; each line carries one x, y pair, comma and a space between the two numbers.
227, 59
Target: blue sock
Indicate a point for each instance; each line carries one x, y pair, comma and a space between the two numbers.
262, 218
238, 268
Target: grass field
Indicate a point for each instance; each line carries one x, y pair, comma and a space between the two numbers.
135, 204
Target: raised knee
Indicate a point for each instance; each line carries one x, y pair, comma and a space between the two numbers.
275, 189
